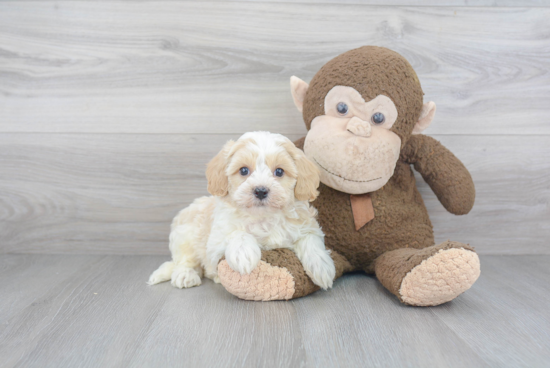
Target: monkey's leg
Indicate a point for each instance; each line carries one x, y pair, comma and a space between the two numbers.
429, 276
278, 276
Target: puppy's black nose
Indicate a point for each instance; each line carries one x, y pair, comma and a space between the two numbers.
261, 192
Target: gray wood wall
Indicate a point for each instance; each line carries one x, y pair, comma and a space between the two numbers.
109, 111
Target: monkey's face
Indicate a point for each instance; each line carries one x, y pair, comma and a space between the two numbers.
351, 112
352, 143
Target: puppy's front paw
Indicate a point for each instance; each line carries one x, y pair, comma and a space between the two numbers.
243, 258
320, 268
185, 277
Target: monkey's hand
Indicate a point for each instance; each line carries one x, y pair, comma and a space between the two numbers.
444, 173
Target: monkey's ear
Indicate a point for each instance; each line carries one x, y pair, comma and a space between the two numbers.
426, 116
218, 183
298, 88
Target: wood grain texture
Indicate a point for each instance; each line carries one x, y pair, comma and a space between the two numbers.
512, 294
21, 272
432, 3
105, 315
117, 194
221, 331
196, 67
360, 324
90, 320
110, 110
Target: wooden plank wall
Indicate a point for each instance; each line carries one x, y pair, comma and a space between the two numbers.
109, 111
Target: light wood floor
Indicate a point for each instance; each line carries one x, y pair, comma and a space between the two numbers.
97, 311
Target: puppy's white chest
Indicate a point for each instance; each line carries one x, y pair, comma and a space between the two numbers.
270, 233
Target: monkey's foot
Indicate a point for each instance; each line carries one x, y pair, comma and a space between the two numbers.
265, 282
278, 276
440, 278
429, 276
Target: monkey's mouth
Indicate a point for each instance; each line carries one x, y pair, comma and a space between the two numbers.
341, 177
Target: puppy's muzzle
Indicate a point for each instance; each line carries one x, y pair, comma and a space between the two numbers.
261, 192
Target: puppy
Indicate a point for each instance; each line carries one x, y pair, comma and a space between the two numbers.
261, 185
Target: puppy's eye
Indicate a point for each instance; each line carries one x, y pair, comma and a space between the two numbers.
378, 118
279, 172
342, 108
244, 171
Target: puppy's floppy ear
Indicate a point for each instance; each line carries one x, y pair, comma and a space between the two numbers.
218, 184
308, 174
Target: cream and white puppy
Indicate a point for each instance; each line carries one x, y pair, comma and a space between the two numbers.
261, 185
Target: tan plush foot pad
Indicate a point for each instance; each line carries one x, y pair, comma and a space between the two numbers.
440, 278
265, 282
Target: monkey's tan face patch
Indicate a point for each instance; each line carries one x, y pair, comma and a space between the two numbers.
355, 155
358, 107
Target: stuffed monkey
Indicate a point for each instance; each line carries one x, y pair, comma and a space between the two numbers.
364, 113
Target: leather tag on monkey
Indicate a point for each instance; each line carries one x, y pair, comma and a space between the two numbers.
361, 206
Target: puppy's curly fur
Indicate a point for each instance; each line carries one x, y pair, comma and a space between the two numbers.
261, 186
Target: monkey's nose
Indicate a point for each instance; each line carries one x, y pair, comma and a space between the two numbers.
359, 127
261, 192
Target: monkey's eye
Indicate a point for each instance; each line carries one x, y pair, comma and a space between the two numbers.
244, 171
342, 108
279, 172
378, 118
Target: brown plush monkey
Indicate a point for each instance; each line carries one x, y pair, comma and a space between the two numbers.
364, 113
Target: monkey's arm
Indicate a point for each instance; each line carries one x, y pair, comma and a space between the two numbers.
444, 173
